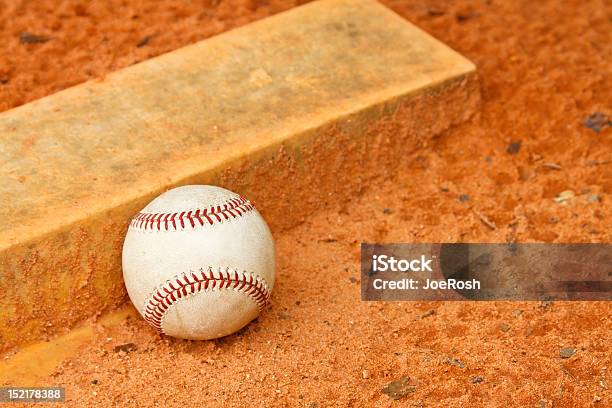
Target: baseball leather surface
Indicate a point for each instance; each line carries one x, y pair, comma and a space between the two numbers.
199, 262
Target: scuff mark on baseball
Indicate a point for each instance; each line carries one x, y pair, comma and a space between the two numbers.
199, 262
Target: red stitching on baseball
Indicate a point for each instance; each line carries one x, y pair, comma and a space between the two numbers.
171, 292
234, 208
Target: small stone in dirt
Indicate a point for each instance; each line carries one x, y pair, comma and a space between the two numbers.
29, 38
94, 381
553, 166
464, 197
504, 327
365, 374
399, 388
353, 280
545, 304
455, 362
387, 211
477, 379
567, 352
428, 313
144, 41
126, 348
597, 121
466, 16
514, 147
564, 196
593, 198
485, 220
435, 13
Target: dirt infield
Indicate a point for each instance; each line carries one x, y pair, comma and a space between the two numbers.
532, 166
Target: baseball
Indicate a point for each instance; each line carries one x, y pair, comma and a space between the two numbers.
199, 262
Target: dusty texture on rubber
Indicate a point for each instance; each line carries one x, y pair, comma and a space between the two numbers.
50, 45
295, 112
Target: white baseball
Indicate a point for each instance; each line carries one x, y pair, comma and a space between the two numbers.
199, 262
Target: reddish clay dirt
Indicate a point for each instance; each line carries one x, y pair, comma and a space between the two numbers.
545, 71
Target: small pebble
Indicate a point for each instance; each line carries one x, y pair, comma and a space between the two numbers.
564, 196
461, 17
464, 197
29, 38
597, 121
144, 41
545, 304
567, 352
455, 362
514, 147
125, 348
504, 327
435, 13
553, 166
398, 388
428, 313
365, 374
593, 198
477, 380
